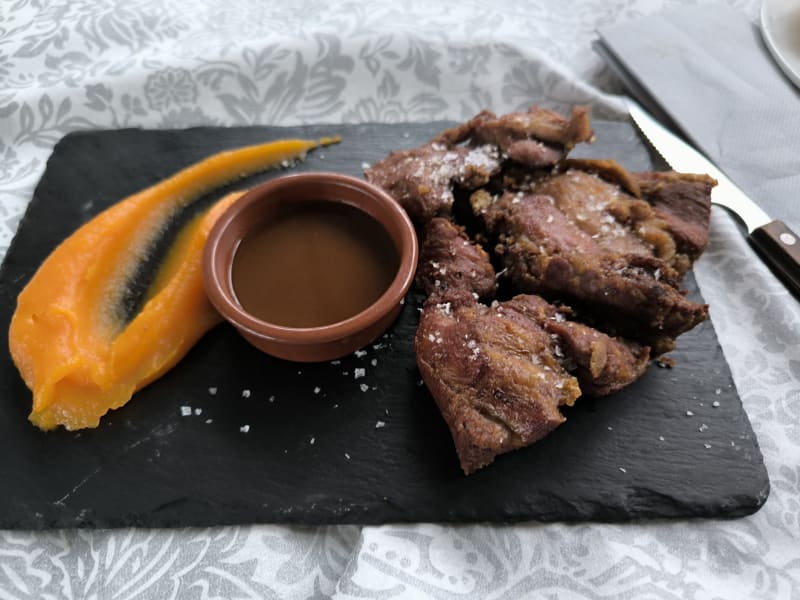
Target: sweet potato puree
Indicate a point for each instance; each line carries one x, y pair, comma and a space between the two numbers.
74, 345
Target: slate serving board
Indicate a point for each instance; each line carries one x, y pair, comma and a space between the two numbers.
359, 441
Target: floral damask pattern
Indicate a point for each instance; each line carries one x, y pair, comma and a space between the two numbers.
89, 64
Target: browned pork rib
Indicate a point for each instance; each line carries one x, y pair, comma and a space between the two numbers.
494, 375
450, 260
592, 257
422, 179
536, 138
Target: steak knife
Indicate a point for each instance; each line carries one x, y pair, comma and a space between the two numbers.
776, 244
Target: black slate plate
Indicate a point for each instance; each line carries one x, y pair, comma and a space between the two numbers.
324, 444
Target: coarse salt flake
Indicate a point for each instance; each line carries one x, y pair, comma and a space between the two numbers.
347, 456
186, 411
689, 413
364, 387
244, 428
212, 391
360, 353
359, 372
317, 390
198, 411
715, 404
245, 393
380, 424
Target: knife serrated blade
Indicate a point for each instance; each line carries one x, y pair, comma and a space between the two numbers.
775, 242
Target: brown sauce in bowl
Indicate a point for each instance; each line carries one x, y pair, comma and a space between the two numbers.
313, 265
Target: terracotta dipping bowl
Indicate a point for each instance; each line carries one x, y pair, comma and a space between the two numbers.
308, 344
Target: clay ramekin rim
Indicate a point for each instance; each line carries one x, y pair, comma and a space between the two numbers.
220, 292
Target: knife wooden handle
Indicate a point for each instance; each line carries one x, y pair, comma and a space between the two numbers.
779, 247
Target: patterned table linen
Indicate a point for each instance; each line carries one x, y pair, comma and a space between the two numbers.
86, 64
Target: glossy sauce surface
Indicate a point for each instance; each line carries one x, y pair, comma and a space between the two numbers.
315, 264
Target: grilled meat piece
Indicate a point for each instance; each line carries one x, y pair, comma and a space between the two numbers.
422, 179
450, 260
468, 155
683, 201
550, 252
494, 375
537, 138
602, 364
500, 373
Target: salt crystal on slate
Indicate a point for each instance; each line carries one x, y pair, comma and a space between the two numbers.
245, 393
186, 411
360, 353
364, 387
198, 411
689, 413
380, 424
317, 390
244, 428
360, 372
715, 404
212, 391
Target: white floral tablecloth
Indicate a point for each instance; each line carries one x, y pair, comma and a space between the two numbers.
78, 64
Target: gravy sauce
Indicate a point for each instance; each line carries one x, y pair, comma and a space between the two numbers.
315, 264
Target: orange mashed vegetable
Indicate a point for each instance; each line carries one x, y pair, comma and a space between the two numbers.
73, 348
